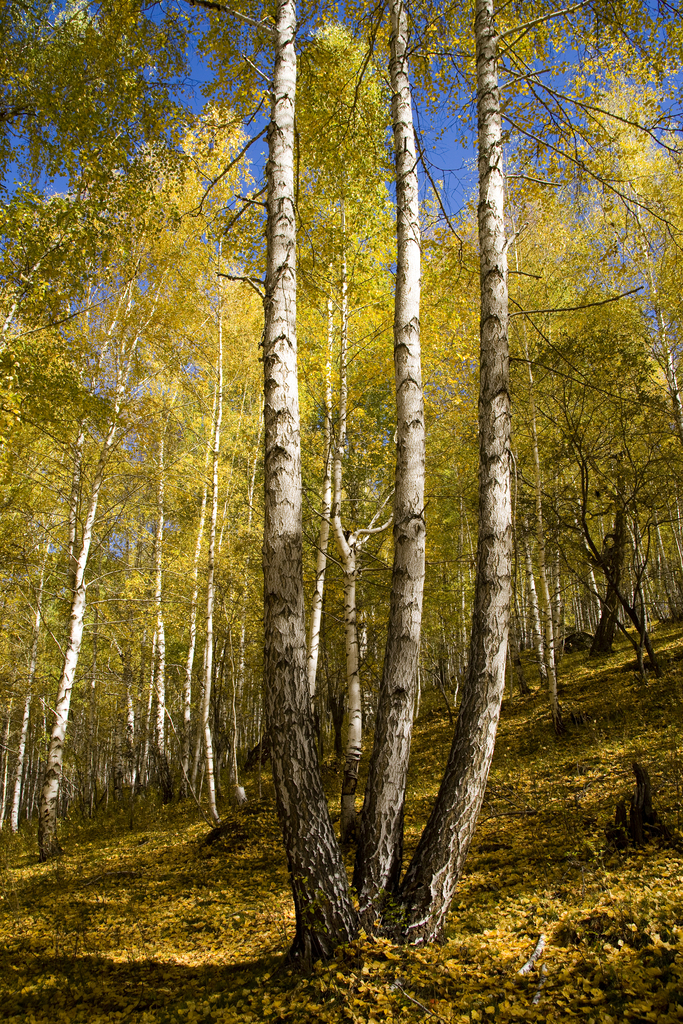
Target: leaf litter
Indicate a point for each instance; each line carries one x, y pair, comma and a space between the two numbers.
151, 925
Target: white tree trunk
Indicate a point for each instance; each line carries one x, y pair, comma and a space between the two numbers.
429, 884
325, 511
130, 722
546, 607
189, 661
536, 628
30, 679
210, 581
47, 816
5, 751
73, 506
558, 608
380, 848
347, 554
92, 720
354, 734
324, 913
163, 766
47, 820
150, 703
664, 355
240, 792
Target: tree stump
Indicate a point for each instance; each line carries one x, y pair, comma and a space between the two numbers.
643, 822
641, 814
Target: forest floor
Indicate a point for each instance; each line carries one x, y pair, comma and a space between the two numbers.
152, 925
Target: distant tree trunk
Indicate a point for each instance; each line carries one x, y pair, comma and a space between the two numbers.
163, 766
240, 793
210, 579
546, 605
30, 680
145, 768
613, 555
130, 719
336, 702
427, 889
515, 631
47, 819
346, 544
380, 840
189, 662
324, 913
92, 745
610, 561
118, 762
663, 354
74, 500
666, 578
5, 756
558, 608
325, 511
536, 630
593, 604
354, 735
516, 659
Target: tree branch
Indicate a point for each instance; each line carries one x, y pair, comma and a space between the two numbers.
253, 281
572, 309
209, 5
542, 19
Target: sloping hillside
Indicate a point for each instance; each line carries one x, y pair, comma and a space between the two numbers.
153, 925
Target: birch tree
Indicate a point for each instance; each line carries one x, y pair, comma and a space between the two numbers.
210, 580
325, 512
324, 914
380, 847
47, 821
30, 680
428, 886
161, 757
189, 661
119, 344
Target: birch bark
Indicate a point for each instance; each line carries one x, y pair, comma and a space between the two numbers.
240, 792
5, 753
30, 680
47, 818
346, 544
130, 721
93, 751
324, 913
380, 847
545, 603
163, 767
47, 815
211, 571
189, 662
536, 629
150, 702
428, 886
325, 511
73, 505
664, 355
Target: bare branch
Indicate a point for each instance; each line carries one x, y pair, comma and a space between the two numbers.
572, 309
209, 5
253, 281
542, 19
227, 169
